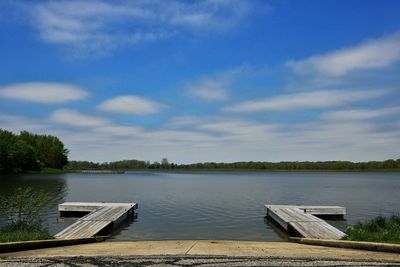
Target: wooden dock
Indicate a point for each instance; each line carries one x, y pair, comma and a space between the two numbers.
99, 217
303, 220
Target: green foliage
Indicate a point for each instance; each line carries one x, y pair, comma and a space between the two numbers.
30, 152
23, 232
117, 165
165, 163
23, 207
379, 229
249, 165
296, 165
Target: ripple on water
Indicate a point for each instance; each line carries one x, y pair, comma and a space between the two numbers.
219, 205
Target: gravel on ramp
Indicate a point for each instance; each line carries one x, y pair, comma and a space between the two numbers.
182, 261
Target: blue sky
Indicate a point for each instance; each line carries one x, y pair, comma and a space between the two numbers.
212, 80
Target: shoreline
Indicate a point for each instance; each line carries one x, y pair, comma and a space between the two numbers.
204, 248
218, 170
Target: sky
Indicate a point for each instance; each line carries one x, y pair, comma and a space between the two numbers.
205, 80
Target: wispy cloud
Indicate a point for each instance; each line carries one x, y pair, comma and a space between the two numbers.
215, 87
372, 54
75, 118
96, 124
185, 120
17, 123
43, 92
97, 25
119, 130
213, 139
130, 104
209, 89
307, 100
360, 114
246, 131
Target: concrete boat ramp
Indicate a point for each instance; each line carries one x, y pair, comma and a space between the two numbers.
99, 217
197, 253
303, 221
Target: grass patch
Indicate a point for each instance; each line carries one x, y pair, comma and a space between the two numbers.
23, 232
379, 229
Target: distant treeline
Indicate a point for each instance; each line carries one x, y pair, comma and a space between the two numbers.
116, 165
30, 152
248, 165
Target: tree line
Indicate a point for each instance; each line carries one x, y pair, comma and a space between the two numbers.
30, 152
389, 164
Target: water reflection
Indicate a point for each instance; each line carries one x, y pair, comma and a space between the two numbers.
272, 225
118, 230
214, 205
54, 185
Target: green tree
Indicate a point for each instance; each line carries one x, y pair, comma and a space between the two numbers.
29, 151
23, 157
7, 139
165, 163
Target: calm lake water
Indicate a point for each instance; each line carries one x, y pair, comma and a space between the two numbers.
214, 205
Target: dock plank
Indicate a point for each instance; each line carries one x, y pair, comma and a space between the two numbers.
101, 215
105, 214
301, 220
91, 206
296, 215
320, 230
314, 210
82, 229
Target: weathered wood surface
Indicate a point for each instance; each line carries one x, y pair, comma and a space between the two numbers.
301, 219
314, 210
82, 229
91, 206
105, 214
101, 215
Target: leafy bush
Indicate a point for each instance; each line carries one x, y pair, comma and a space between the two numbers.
24, 206
22, 209
379, 229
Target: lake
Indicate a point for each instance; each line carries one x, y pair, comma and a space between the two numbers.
213, 205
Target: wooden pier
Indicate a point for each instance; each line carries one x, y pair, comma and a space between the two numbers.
303, 220
99, 216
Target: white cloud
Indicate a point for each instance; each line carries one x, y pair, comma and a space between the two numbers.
130, 104
75, 118
208, 89
119, 130
43, 92
308, 100
215, 87
17, 123
219, 139
372, 54
96, 124
239, 128
185, 120
360, 114
98, 25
